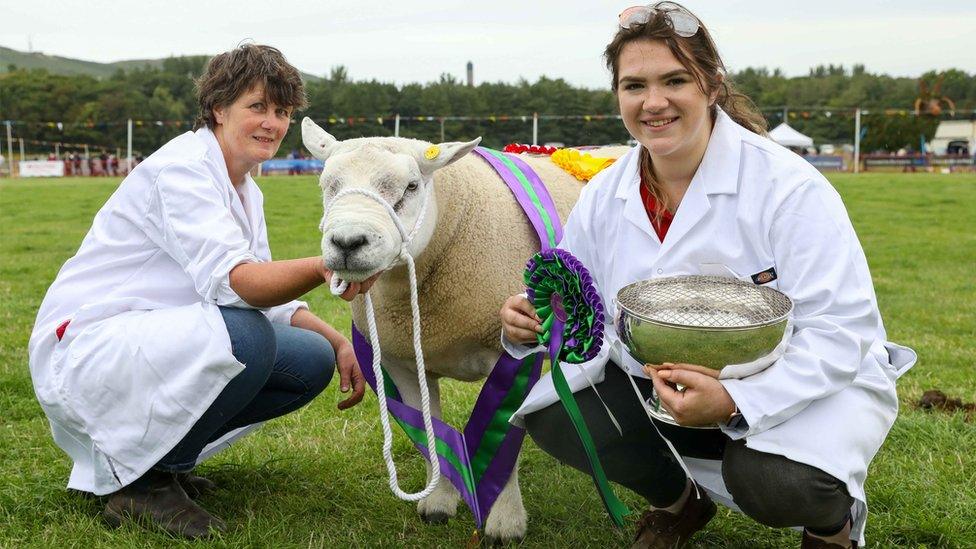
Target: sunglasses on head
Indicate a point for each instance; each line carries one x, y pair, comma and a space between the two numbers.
682, 22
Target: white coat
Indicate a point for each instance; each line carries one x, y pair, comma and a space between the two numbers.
752, 205
146, 351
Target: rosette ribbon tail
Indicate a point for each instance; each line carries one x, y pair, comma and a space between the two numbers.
564, 296
616, 508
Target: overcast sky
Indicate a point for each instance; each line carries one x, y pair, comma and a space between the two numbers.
415, 41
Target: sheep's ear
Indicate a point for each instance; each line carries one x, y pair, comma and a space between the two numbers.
317, 141
437, 156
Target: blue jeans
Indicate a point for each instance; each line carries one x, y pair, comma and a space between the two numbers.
285, 368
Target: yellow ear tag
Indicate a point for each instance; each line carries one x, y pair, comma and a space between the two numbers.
432, 152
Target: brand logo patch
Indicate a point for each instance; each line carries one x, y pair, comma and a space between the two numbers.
765, 277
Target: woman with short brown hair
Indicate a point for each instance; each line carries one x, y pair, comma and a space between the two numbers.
171, 331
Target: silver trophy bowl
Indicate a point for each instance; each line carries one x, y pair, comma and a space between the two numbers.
707, 320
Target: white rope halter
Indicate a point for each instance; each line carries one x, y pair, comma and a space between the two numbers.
338, 286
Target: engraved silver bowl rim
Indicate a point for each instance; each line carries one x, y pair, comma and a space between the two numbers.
623, 309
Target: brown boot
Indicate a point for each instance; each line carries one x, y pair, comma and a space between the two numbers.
658, 529
161, 502
195, 486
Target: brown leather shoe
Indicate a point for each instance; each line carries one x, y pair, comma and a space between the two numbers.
663, 530
813, 542
163, 504
195, 486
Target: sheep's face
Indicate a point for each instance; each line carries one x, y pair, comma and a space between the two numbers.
359, 238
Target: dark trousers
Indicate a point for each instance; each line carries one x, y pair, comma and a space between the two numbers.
284, 368
771, 489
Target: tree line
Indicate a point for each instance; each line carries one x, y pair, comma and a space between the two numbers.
82, 109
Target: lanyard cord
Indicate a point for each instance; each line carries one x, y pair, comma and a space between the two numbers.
337, 287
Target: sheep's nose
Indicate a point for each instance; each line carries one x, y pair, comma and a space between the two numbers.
349, 243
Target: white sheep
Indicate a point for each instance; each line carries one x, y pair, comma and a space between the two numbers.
470, 250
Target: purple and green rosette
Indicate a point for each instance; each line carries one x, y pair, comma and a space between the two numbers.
565, 298
556, 276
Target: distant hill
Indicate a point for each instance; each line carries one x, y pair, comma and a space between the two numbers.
67, 66
54, 64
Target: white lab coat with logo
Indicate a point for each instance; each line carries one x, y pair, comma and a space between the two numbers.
830, 399
146, 351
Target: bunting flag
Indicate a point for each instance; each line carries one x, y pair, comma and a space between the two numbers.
68, 144
791, 113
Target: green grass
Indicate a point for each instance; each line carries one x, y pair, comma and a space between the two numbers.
316, 477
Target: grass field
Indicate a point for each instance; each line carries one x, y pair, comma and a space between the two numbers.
316, 477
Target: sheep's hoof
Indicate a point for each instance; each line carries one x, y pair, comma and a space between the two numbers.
435, 517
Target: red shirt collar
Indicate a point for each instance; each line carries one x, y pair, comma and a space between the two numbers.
661, 221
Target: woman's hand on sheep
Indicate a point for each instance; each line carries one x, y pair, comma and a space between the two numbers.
350, 376
354, 288
520, 323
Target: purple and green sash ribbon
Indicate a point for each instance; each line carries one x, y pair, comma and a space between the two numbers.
479, 461
530, 192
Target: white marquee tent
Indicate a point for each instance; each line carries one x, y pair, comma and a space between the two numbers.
788, 137
961, 134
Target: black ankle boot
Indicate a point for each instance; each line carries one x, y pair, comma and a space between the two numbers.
157, 499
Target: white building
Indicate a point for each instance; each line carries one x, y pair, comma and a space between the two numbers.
954, 137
